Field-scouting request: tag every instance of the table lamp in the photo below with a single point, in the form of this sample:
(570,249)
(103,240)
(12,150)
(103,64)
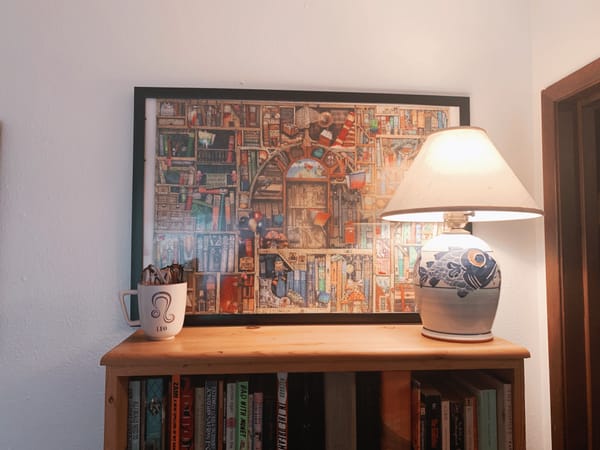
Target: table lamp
(458,176)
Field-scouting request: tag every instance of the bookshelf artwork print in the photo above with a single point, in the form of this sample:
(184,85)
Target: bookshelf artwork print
(271,200)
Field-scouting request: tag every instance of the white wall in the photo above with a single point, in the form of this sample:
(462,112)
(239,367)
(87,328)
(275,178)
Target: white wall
(68,69)
(564,37)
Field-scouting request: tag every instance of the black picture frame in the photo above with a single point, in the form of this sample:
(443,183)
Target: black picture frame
(175,121)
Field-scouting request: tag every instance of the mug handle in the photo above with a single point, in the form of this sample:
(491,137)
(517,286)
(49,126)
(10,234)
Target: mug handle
(122,295)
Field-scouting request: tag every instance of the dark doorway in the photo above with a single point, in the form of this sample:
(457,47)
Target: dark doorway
(571,155)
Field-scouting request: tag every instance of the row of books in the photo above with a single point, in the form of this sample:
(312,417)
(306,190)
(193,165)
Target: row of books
(216,252)
(276,120)
(409,121)
(322,280)
(210,147)
(458,410)
(469,410)
(249,164)
(215,211)
(215,114)
(223,412)
(176,145)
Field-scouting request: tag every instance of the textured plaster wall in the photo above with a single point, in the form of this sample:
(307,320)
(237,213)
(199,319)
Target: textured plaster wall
(68,69)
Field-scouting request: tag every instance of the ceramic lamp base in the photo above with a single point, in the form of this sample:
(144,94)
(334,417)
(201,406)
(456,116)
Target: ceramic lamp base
(457,288)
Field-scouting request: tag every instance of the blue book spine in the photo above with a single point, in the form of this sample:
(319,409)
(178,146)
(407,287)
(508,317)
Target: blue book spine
(154,412)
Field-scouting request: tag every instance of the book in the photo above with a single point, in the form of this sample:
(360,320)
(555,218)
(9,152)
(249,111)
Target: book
(485,397)
(455,422)
(471,427)
(282,411)
(445,426)
(395,407)
(143,412)
(453,433)
(154,411)
(230,415)
(221,414)
(174,410)
(257,420)
(241,440)
(250,430)
(430,414)
(211,410)
(459,421)
(199,417)
(503,407)
(186,414)
(432,400)
(134,397)
(417,414)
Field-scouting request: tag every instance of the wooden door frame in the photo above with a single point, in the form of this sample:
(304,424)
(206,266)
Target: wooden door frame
(566,265)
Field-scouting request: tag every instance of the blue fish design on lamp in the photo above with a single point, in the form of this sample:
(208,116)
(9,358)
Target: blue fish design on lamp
(464,269)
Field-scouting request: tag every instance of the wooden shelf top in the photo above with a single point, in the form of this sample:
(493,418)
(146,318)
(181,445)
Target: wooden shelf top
(255,349)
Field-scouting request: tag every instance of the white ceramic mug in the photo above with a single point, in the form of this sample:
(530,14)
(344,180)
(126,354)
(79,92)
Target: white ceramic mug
(161,309)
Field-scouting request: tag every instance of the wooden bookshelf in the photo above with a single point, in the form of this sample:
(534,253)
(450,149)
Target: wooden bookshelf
(301,348)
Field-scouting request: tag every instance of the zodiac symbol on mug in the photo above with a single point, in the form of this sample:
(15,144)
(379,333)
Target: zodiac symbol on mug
(160,300)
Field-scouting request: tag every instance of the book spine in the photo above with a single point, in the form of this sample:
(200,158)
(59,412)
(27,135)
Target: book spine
(211,415)
(231,254)
(508,417)
(445,424)
(221,388)
(186,414)
(199,417)
(415,413)
(257,419)
(457,429)
(492,420)
(250,430)
(502,419)
(230,394)
(174,405)
(154,411)
(471,440)
(224,250)
(242,415)
(282,411)
(133,414)
(433,419)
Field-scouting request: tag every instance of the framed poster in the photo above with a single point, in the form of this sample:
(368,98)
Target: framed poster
(271,200)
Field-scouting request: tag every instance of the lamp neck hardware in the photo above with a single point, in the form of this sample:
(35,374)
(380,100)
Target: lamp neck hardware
(455,222)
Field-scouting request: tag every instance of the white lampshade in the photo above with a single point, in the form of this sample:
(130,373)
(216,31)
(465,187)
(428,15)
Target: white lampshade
(459,169)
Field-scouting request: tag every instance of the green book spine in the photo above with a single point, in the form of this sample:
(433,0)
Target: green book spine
(242,415)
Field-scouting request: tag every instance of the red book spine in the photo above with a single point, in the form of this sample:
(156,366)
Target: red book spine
(186,414)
